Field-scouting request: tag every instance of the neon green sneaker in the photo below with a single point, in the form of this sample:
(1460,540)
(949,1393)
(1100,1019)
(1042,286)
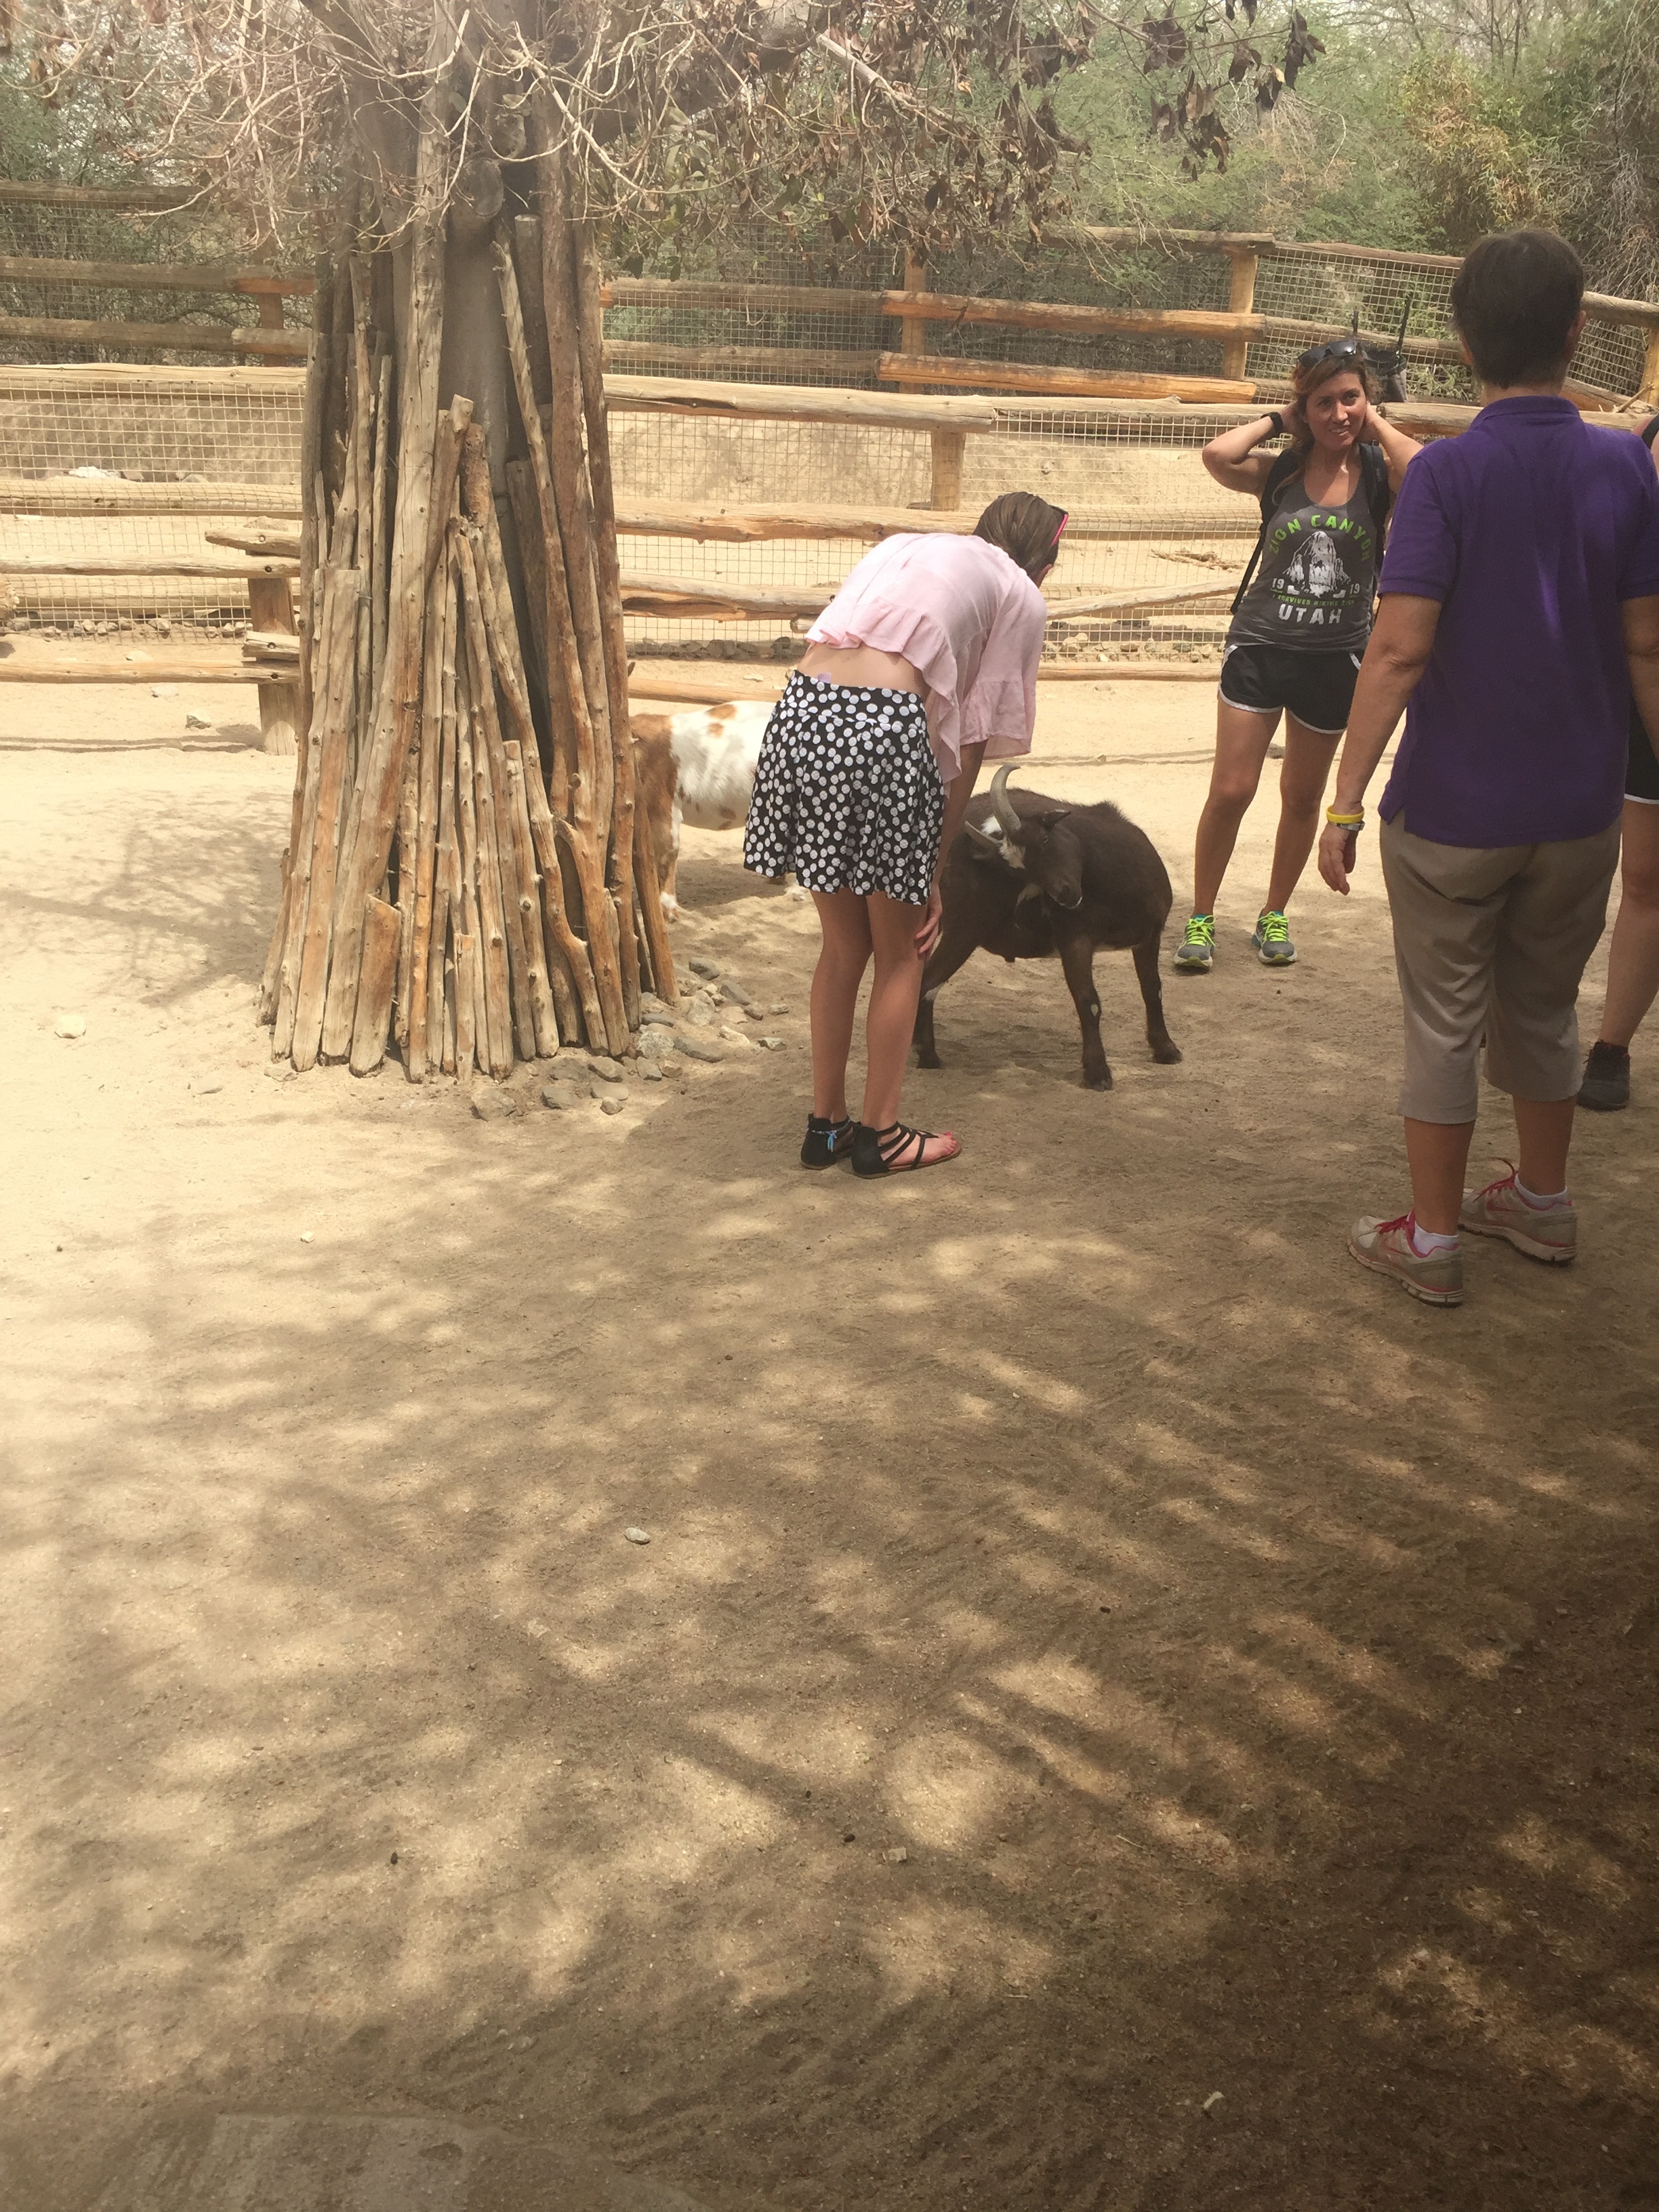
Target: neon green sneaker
(1196,954)
(1272,939)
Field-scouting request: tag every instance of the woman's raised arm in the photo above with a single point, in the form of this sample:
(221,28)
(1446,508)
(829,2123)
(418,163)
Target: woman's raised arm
(1232,459)
(1397,447)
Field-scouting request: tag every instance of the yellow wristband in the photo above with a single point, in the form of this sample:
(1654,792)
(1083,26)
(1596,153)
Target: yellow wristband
(1344,820)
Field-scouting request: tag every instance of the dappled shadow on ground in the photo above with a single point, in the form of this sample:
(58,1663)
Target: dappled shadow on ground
(146,895)
(1255,1668)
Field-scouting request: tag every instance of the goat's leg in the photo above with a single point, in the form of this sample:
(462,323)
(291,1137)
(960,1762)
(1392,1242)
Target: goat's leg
(1165,1050)
(668,862)
(1076,957)
(955,946)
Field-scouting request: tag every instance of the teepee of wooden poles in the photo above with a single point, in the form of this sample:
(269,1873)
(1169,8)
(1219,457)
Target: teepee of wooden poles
(466,877)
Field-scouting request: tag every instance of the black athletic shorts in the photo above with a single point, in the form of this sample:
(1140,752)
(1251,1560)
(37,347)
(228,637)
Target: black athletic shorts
(1642,778)
(1317,688)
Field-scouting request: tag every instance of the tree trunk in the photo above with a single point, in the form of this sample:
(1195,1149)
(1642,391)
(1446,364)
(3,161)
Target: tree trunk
(465,785)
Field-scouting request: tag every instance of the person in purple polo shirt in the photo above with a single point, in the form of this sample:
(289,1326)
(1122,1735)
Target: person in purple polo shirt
(1520,613)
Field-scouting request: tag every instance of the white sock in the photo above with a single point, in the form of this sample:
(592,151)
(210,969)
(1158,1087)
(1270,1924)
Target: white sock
(1425,1243)
(1541,1200)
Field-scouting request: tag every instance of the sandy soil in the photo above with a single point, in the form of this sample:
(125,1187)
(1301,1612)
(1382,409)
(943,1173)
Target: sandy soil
(1255,1668)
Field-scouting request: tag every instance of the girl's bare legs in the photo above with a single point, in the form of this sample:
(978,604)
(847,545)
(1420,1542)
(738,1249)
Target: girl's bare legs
(1242,740)
(1302,781)
(1633,955)
(845,921)
(891,1020)
(853,928)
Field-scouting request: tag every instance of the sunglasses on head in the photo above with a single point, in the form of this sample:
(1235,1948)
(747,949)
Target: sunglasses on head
(1338,350)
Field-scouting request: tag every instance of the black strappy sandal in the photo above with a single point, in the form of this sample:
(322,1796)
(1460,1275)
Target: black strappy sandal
(884,1151)
(827,1141)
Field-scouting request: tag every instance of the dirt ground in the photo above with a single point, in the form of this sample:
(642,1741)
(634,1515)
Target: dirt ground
(1120,1708)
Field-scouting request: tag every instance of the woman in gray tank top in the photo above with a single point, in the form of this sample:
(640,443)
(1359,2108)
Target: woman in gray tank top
(1299,626)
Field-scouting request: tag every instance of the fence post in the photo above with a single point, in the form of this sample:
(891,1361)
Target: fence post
(1648,391)
(949,448)
(1241,300)
(914,337)
(270,606)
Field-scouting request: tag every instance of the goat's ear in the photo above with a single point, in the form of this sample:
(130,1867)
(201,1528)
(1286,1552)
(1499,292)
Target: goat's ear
(1049,817)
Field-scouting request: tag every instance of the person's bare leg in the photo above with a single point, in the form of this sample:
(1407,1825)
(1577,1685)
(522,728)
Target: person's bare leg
(890,1019)
(1633,955)
(1544,1127)
(1437,1153)
(1242,740)
(845,954)
(1302,781)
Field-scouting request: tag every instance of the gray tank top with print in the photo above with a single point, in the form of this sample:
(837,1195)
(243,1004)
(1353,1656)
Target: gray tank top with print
(1315,588)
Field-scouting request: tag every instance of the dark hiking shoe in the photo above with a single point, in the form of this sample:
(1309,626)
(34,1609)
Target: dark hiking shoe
(1606,1086)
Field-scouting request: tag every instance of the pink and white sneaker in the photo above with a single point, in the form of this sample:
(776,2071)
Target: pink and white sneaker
(1386,1248)
(1542,1232)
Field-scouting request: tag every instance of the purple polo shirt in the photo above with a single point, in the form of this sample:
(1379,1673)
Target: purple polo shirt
(1529,530)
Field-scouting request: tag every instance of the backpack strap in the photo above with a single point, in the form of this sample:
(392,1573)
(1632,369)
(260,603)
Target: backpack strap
(1379,492)
(1650,431)
(1284,467)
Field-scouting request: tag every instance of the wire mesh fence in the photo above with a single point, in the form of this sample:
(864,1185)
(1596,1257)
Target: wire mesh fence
(77,438)
(1320,291)
(1146,519)
(133,604)
(1151,534)
(180,237)
(1147,523)
(840,343)
(1317,290)
(218,426)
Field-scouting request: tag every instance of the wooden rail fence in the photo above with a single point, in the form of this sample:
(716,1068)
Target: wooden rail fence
(915,308)
(271,551)
(1003,393)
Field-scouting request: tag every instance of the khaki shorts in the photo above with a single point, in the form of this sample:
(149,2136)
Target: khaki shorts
(1493,942)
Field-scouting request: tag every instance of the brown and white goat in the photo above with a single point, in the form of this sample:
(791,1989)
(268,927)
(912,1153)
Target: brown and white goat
(696,766)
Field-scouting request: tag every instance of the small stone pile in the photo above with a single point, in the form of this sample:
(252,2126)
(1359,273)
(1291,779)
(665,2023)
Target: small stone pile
(715,1019)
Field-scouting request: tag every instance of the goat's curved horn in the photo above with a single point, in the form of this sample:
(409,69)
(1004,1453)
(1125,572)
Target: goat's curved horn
(1011,824)
(984,837)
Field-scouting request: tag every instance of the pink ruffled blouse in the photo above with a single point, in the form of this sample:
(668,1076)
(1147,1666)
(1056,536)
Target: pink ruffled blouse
(968,619)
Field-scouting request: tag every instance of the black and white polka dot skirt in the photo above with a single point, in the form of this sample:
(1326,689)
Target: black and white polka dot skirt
(847,793)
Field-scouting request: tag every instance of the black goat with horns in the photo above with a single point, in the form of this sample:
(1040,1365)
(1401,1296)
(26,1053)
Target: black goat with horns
(1030,877)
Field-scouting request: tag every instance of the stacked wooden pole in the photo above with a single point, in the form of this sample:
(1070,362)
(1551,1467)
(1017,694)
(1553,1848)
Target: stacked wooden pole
(468,879)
